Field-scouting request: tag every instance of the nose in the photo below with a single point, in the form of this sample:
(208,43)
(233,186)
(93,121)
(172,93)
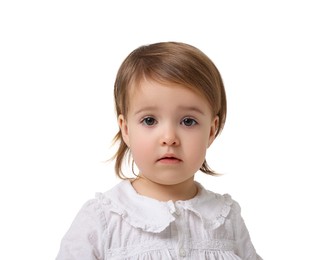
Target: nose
(169,137)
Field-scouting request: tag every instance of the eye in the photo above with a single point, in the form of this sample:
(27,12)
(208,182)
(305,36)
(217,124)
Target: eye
(149,121)
(188,121)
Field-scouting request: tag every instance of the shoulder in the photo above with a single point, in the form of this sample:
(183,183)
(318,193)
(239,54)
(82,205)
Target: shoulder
(90,216)
(94,211)
(84,236)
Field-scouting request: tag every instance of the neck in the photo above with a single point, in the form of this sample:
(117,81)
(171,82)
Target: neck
(164,192)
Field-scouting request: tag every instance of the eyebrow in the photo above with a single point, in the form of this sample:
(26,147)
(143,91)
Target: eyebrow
(144,109)
(191,108)
(183,108)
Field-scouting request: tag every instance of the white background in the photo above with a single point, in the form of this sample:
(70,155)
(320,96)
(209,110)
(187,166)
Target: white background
(58,61)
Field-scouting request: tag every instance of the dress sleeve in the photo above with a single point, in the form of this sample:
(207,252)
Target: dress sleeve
(245,248)
(83,241)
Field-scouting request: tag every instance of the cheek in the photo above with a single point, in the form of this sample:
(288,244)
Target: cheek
(198,144)
(200,147)
(199,139)
(140,145)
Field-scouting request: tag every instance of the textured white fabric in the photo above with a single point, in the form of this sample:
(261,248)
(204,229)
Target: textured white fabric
(121,224)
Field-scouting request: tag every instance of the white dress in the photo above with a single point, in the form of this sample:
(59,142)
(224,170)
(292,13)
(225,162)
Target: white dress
(121,224)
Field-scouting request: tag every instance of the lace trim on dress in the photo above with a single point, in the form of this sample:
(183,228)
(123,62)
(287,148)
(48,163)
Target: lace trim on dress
(142,249)
(222,215)
(132,251)
(213,210)
(137,210)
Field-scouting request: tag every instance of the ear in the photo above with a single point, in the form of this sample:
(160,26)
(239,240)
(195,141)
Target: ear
(213,130)
(124,129)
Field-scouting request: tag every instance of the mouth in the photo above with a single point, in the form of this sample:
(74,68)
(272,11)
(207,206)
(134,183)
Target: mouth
(169,159)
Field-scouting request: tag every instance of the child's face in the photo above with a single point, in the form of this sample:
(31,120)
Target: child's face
(168,130)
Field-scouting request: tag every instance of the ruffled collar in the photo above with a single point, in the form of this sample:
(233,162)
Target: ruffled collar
(152,215)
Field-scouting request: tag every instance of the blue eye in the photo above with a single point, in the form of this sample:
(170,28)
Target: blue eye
(189,121)
(149,121)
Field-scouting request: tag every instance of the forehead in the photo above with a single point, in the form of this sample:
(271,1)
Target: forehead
(152,88)
(165,95)
(149,86)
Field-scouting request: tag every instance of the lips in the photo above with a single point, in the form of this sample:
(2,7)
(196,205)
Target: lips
(169,159)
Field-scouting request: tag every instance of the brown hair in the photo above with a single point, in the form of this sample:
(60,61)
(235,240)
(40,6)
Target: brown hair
(169,62)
